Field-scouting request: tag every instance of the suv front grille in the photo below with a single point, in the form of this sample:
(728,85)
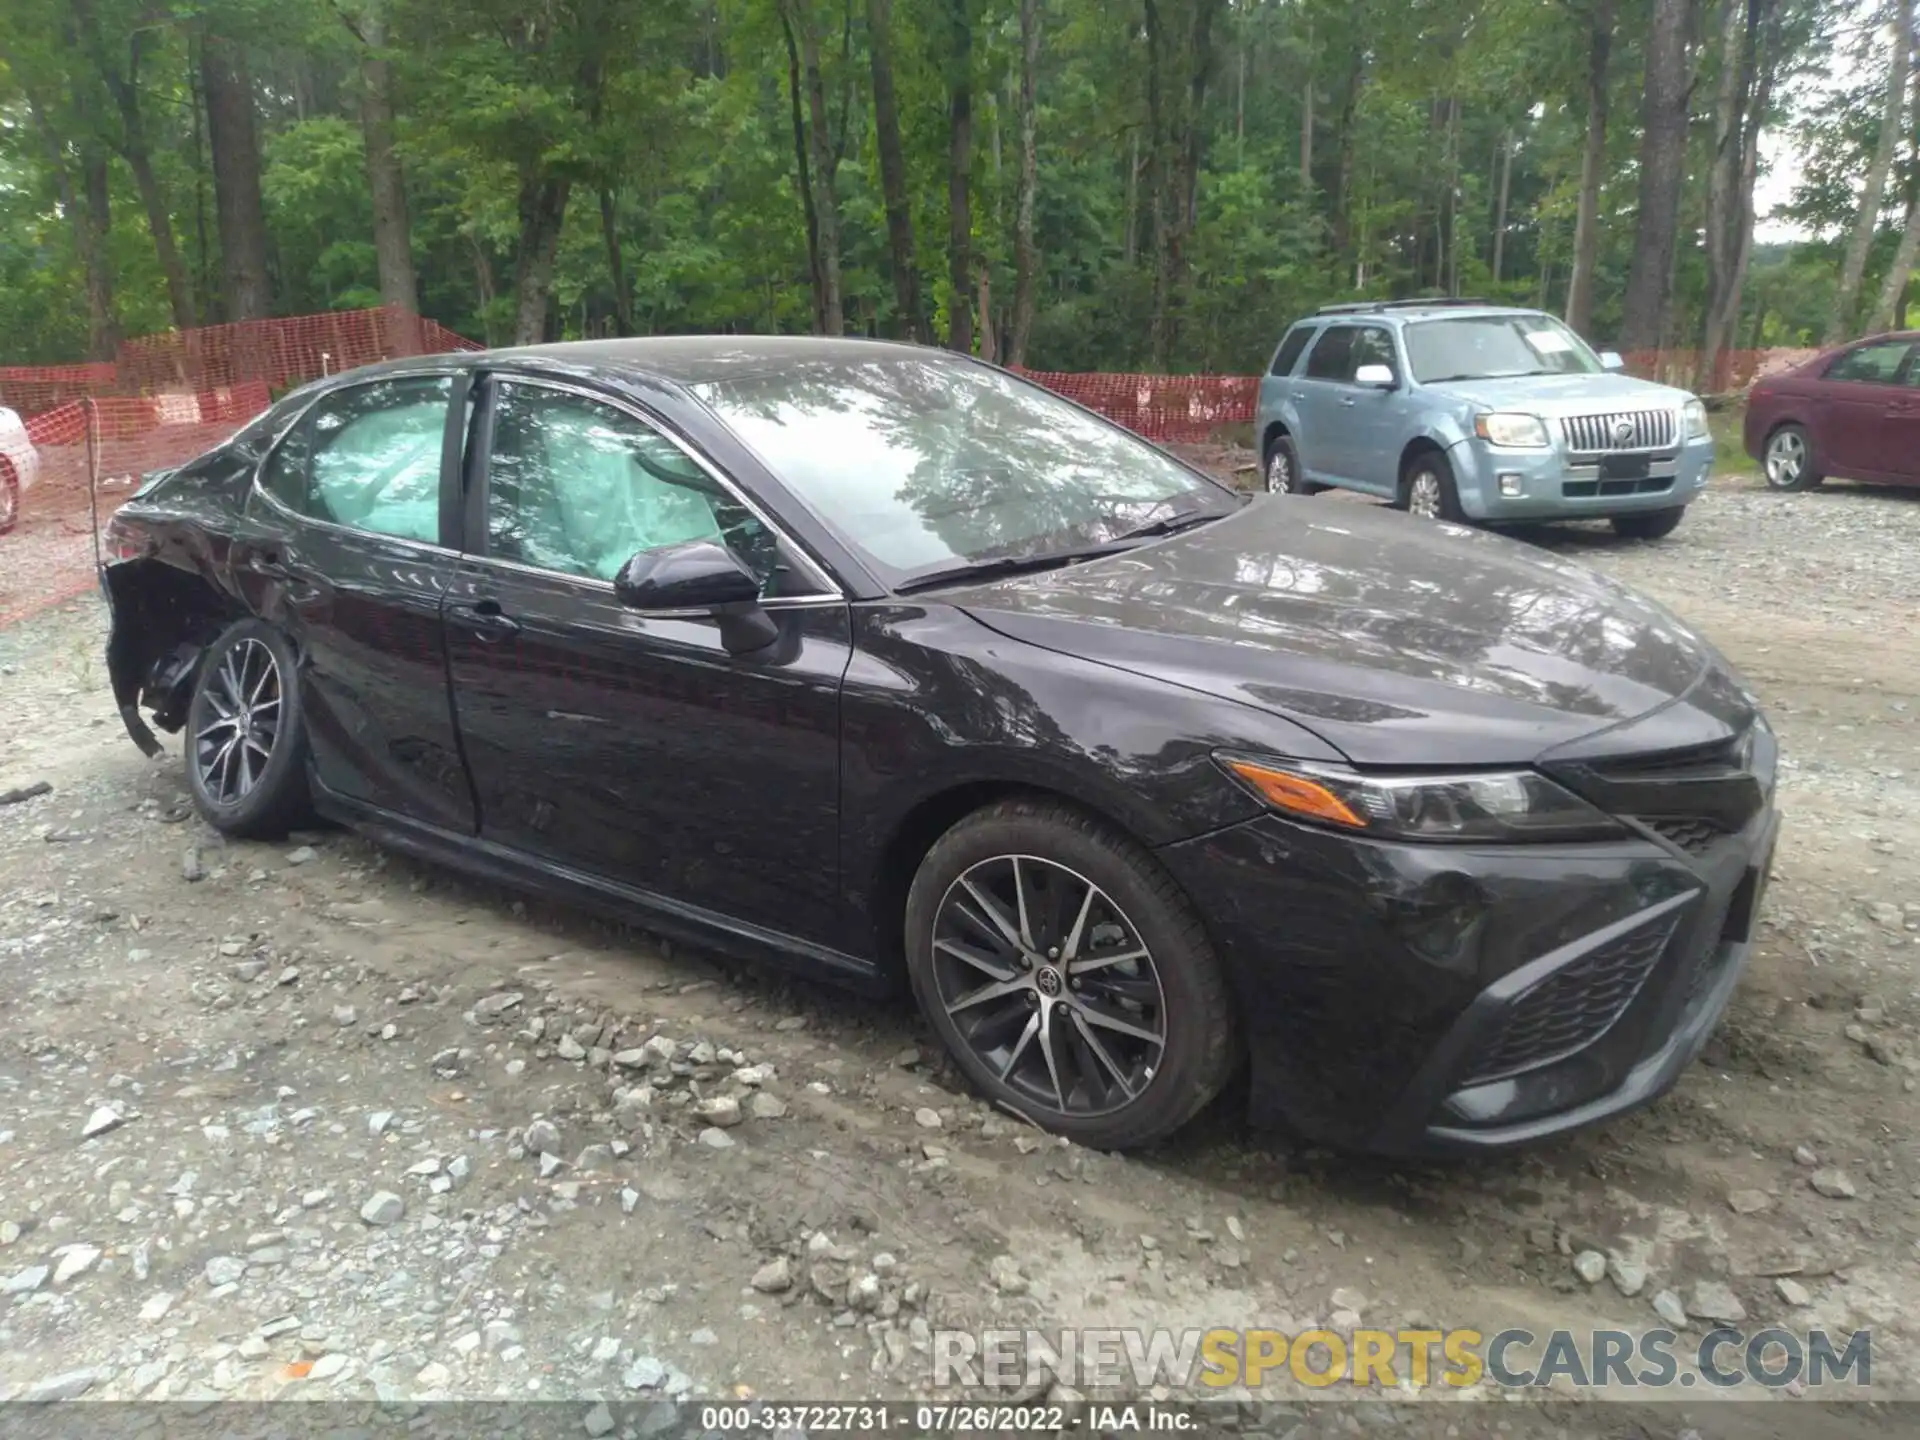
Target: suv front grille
(1623,430)
(1572,1007)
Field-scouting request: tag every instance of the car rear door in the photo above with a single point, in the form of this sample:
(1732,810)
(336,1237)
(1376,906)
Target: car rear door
(635,748)
(1901,425)
(349,544)
(1319,391)
(1856,419)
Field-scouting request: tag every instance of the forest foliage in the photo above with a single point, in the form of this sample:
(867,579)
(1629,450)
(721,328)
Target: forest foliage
(1068,184)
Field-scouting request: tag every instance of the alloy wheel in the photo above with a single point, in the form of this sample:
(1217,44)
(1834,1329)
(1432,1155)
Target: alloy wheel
(231,751)
(1786,458)
(1049,984)
(1279,473)
(1423,495)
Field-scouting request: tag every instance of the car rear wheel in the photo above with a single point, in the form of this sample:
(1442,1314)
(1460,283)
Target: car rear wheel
(1280,473)
(1649,525)
(9,496)
(1789,462)
(1427,489)
(246,736)
(1068,975)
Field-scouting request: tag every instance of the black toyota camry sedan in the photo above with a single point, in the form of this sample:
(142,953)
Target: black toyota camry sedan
(899,669)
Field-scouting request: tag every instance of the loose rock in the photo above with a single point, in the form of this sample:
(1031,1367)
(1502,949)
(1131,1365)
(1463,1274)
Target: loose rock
(383,1207)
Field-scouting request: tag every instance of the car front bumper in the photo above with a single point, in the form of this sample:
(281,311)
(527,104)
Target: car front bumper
(1431,1000)
(1554,485)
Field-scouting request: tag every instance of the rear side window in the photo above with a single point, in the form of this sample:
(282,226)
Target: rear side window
(1289,353)
(1870,364)
(368,458)
(1332,357)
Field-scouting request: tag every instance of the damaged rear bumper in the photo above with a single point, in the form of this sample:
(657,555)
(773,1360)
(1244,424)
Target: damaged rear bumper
(153,647)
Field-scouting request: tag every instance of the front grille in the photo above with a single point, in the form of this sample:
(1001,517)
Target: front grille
(1587,489)
(1623,430)
(1717,757)
(1572,1007)
(1692,834)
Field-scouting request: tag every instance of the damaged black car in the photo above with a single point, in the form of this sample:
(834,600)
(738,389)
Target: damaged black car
(891,666)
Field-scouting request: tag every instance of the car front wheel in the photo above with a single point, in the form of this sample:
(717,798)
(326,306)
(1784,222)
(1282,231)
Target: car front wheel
(1281,472)
(1068,975)
(1789,461)
(1650,525)
(1428,491)
(246,735)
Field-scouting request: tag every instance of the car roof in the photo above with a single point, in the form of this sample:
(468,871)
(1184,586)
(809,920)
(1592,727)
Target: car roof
(704,359)
(1441,309)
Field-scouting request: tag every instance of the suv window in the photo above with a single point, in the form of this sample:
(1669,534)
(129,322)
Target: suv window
(368,458)
(1289,353)
(1373,346)
(581,487)
(1871,364)
(1332,357)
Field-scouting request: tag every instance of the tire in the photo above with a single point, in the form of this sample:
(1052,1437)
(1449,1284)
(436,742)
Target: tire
(9,496)
(1280,470)
(1788,462)
(1427,489)
(1126,1090)
(1649,524)
(248,774)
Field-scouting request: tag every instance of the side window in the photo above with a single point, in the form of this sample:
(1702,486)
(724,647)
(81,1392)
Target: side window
(1372,346)
(1332,357)
(581,488)
(1870,364)
(1289,353)
(368,458)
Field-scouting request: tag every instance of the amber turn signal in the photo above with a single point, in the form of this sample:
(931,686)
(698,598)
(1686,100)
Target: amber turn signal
(1296,793)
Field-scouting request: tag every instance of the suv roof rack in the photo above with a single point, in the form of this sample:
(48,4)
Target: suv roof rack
(1374,307)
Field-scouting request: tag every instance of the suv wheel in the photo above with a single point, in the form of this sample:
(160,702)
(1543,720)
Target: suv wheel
(1068,975)
(1427,489)
(1281,473)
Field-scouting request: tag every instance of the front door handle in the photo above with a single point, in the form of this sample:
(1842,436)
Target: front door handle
(486,619)
(1348,401)
(267,563)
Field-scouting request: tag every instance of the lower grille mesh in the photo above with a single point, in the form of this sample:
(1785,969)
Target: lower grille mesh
(1572,1007)
(1693,835)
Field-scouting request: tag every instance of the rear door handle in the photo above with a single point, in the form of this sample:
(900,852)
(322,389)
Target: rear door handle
(486,619)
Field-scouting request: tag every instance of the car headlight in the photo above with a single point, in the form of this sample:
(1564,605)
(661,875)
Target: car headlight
(1497,806)
(1694,420)
(1511,431)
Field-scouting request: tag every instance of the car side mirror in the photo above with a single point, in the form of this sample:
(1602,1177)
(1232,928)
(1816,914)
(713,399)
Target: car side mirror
(699,575)
(1375,377)
(1612,360)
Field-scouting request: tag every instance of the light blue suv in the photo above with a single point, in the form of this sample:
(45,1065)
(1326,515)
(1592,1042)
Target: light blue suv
(1460,410)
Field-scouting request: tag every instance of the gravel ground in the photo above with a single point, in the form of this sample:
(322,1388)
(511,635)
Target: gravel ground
(310,1120)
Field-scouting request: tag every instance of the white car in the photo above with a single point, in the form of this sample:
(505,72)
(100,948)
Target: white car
(19,466)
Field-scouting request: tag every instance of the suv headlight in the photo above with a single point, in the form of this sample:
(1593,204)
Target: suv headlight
(1497,806)
(1694,420)
(1511,431)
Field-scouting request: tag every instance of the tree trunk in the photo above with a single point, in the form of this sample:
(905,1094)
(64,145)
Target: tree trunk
(1593,163)
(125,90)
(616,266)
(543,208)
(1663,154)
(239,211)
(826,204)
(1748,43)
(1500,207)
(1026,260)
(89,213)
(1890,307)
(1306,121)
(803,169)
(1342,233)
(1130,238)
(1867,221)
(908,319)
(960,175)
(392,226)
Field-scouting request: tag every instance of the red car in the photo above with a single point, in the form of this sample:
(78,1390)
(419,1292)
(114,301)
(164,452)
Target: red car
(1852,412)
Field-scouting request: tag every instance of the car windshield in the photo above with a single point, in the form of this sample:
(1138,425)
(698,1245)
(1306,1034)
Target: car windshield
(923,465)
(1496,347)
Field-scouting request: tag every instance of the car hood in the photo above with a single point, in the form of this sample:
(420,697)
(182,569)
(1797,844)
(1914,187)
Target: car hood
(1399,641)
(1557,395)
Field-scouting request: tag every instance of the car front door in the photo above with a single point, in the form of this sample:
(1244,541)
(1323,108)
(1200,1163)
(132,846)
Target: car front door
(349,543)
(634,747)
(1857,425)
(1374,421)
(1900,426)
(1320,390)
